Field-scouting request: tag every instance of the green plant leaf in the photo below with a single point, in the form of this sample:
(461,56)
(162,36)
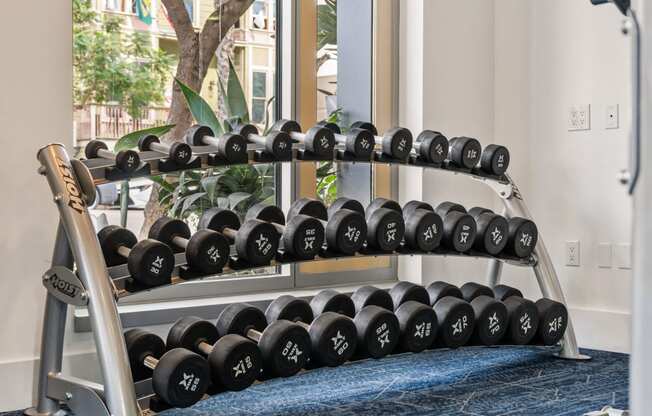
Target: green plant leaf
(130,141)
(190,200)
(270,200)
(209,184)
(163,183)
(326,24)
(267,117)
(324,170)
(238,198)
(335,116)
(200,109)
(235,96)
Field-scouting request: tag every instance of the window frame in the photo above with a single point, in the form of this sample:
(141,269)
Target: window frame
(294,76)
(382,110)
(266,77)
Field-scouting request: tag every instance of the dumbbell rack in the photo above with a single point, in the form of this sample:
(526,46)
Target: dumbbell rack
(97,287)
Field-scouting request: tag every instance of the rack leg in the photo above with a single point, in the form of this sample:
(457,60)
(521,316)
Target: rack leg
(546,276)
(494,271)
(54,325)
(119,393)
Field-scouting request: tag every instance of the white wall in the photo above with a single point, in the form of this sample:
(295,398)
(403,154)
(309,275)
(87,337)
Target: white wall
(507,71)
(35,109)
(578,56)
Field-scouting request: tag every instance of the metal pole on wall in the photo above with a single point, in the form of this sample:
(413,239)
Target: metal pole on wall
(641,363)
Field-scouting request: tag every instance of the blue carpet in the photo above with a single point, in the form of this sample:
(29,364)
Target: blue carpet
(471,381)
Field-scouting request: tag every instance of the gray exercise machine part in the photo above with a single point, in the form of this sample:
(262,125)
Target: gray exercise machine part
(76,240)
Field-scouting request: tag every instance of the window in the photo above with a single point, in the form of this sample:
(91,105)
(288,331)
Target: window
(190,8)
(121,104)
(344,77)
(124,6)
(258,97)
(257,61)
(259,15)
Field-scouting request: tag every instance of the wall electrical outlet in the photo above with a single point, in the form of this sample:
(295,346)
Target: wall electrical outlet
(612,117)
(579,117)
(573,253)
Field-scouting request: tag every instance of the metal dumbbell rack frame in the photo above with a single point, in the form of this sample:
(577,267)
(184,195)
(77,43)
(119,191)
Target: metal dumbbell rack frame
(98,288)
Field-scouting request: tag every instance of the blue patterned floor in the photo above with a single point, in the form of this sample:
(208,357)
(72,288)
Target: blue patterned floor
(470,382)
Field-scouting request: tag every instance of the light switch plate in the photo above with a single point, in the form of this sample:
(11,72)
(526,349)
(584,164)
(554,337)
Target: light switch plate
(605,255)
(623,256)
(573,253)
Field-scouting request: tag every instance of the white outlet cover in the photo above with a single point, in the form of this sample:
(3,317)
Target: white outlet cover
(579,117)
(605,254)
(573,253)
(612,117)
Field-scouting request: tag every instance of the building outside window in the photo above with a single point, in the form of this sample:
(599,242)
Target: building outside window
(258,96)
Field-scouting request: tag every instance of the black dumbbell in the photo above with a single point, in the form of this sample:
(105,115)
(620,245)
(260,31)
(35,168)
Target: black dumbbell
(491,315)
(150,262)
(553,321)
(495,160)
(329,300)
(333,336)
(377,328)
(319,141)
(522,315)
(358,142)
(492,231)
(345,230)
(206,251)
(235,362)
(459,227)
(276,143)
(256,242)
(522,237)
(231,147)
(431,146)
(417,321)
(456,317)
(345,203)
(125,160)
(423,227)
(302,238)
(179,377)
(396,143)
(465,152)
(385,224)
(179,153)
(284,345)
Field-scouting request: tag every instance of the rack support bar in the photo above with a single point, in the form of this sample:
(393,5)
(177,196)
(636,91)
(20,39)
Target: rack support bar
(105,321)
(544,271)
(54,325)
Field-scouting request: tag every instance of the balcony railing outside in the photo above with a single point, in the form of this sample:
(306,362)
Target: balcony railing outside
(108,121)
